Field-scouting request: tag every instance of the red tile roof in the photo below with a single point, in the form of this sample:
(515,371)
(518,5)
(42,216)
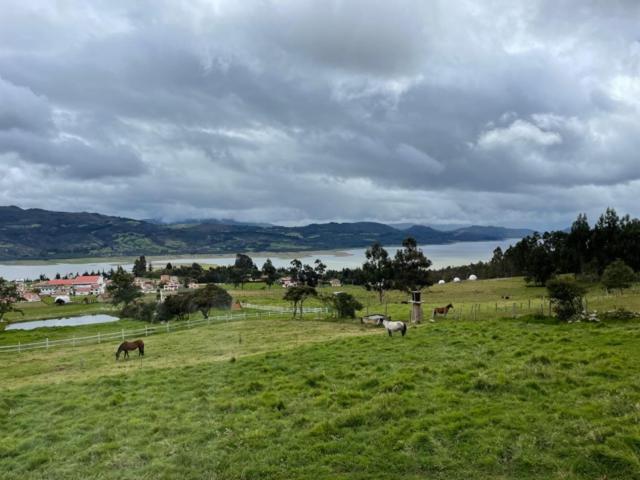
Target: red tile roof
(79,280)
(87,279)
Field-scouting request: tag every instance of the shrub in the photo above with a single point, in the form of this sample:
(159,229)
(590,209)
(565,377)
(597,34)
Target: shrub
(618,275)
(346,305)
(566,297)
(140,310)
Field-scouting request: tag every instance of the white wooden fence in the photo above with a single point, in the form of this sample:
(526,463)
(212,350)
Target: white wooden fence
(121,335)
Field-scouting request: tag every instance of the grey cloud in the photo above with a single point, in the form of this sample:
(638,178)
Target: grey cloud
(296,111)
(21,109)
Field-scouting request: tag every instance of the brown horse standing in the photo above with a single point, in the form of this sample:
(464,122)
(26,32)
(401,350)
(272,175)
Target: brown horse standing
(441,311)
(126,347)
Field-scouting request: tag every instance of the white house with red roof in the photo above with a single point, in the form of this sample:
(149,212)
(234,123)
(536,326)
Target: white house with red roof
(80,285)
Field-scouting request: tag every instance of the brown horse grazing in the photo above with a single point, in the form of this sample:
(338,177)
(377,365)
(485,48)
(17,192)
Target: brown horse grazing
(126,347)
(441,311)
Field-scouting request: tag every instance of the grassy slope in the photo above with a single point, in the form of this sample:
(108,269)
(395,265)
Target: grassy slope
(499,398)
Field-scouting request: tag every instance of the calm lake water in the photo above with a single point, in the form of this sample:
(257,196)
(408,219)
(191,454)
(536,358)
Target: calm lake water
(441,255)
(62,322)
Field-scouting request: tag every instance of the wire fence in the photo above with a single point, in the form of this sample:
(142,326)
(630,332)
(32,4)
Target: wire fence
(482,311)
(146,331)
(281,309)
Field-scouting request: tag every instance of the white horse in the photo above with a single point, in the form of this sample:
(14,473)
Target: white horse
(394,327)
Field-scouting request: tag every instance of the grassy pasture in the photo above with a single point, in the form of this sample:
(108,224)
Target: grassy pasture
(276,398)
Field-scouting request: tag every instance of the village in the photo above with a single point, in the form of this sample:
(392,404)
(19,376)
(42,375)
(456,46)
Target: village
(91,288)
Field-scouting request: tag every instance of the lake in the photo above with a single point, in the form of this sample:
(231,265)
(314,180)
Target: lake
(62,322)
(441,255)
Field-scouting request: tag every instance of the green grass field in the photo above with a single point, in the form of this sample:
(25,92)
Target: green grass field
(492,398)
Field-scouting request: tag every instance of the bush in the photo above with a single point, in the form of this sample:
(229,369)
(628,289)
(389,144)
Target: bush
(618,275)
(140,310)
(346,305)
(203,300)
(566,297)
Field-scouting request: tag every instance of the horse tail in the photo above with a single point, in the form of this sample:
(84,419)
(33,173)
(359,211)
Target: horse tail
(404,329)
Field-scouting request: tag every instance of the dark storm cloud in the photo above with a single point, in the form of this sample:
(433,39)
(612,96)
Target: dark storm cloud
(299,111)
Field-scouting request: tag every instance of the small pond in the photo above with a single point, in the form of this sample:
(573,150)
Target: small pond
(63,322)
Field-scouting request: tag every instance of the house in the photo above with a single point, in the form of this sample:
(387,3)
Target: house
(80,285)
(30,297)
(168,279)
(46,289)
(145,285)
(287,282)
(334,282)
(171,287)
(89,285)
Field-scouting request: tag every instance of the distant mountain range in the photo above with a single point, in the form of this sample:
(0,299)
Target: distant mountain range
(42,234)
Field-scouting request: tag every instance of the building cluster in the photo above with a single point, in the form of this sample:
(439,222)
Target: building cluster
(96,285)
(288,282)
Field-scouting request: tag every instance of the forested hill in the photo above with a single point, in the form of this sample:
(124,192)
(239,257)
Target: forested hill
(42,234)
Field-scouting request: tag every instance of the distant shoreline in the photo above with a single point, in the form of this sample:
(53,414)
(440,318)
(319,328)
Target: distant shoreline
(185,256)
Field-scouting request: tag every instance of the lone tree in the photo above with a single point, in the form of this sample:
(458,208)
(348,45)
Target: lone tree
(242,269)
(618,275)
(209,297)
(306,274)
(179,305)
(540,266)
(140,266)
(122,289)
(566,297)
(8,297)
(270,273)
(344,304)
(297,296)
(320,269)
(295,271)
(411,267)
(378,270)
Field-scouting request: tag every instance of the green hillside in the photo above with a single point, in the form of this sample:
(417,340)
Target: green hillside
(500,397)
(42,234)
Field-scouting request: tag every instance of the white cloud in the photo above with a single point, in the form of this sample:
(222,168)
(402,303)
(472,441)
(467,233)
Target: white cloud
(518,133)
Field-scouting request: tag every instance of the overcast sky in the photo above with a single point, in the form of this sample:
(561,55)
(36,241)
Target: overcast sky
(493,112)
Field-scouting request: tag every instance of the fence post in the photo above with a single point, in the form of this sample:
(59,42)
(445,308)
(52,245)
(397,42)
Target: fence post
(98,337)
(513,310)
(47,342)
(73,341)
(19,347)
(146,332)
(122,333)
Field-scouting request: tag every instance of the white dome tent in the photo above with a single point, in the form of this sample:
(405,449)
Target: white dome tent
(441,282)
(473,277)
(456,280)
